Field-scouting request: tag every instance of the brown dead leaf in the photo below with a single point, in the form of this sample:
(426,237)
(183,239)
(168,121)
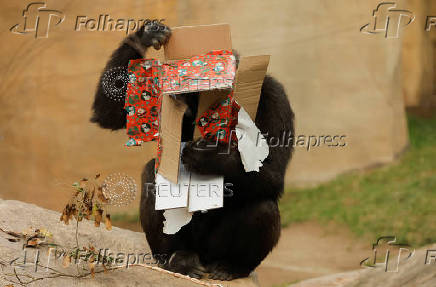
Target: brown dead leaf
(66,219)
(98,216)
(100,195)
(33,242)
(108,222)
(67,213)
(91,266)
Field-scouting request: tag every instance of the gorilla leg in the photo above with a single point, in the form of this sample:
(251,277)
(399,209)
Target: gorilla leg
(173,250)
(233,242)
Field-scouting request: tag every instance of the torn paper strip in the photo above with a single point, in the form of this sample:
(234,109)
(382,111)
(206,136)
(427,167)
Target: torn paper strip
(251,143)
(175,219)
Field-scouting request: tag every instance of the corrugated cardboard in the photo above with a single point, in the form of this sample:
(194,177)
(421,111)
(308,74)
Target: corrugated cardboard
(170,194)
(152,53)
(186,42)
(248,82)
(171,117)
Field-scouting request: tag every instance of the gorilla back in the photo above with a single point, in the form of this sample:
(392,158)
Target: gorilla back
(228,242)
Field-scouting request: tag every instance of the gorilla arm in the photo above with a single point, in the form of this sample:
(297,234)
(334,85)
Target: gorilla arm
(108,112)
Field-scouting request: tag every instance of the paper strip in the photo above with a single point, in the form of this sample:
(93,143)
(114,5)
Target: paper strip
(251,143)
(175,219)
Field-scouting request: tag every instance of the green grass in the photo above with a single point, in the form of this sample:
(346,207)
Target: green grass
(127,220)
(125,217)
(399,199)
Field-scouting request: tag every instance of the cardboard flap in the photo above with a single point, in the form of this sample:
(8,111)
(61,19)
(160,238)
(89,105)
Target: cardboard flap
(185,42)
(170,136)
(188,41)
(152,53)
(248,82)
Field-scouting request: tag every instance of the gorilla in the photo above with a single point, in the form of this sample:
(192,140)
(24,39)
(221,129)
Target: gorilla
(224,243)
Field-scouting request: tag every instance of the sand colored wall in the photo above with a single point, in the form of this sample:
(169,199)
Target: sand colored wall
(418,72)
(339,81)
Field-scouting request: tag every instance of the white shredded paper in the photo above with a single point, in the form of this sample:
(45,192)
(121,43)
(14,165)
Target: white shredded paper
(175,219)
(253,148)
(251,143)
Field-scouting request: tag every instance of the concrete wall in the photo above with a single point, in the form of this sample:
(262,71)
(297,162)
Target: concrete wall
(419,57)
(339,81)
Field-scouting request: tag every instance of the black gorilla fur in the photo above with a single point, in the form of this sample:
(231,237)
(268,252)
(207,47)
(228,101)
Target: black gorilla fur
(228,242)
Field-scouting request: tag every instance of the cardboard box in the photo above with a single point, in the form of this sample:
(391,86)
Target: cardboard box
(186,42)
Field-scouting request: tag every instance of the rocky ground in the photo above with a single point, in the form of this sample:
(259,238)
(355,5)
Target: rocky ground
(20,217)
(296,258)
(411,272)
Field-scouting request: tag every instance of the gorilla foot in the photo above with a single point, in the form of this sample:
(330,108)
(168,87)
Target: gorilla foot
(222,271)
(187,263)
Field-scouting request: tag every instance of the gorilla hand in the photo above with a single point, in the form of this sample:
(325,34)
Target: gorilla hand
(206,157)
(153,33)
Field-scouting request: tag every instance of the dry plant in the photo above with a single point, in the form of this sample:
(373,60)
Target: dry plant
(89,200)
